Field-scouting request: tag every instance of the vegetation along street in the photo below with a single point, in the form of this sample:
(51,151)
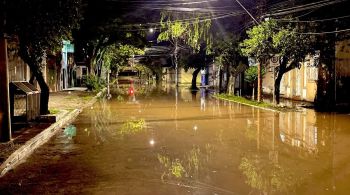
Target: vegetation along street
(174,97)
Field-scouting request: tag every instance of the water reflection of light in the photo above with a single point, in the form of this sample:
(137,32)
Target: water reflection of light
(152,142)
(195,127)
(92,107)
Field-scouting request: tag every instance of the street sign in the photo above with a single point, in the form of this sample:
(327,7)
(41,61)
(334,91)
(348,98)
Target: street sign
(274,61)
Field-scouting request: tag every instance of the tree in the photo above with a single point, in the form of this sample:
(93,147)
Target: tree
(104,24)
(197,61)
(117,56)
(183,33)
(270,38)
(41,26)
(227,55)
(251,76)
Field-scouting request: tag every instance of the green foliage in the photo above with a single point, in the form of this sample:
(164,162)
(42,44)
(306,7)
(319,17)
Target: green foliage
(117,55)
(266,176)
(187,167)
(226,50)
(131,127)
(179,30)
(177,169)
(227,54)
(39,27)
(258,44)
(245,101)
(54,111)
(251,74)
(270,38)
(94,83)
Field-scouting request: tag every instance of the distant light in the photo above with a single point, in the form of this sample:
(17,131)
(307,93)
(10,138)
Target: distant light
(151,30)
(152,142)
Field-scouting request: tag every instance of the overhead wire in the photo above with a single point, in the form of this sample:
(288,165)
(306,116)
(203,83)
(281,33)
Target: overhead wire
(303,8)
(316,20)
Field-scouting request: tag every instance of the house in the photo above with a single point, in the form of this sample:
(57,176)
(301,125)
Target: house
(299,83)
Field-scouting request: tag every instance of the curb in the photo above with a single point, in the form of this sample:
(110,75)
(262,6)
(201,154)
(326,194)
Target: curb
(268,109)
(28,148)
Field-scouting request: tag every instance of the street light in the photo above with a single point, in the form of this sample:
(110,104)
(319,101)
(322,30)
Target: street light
(151,30)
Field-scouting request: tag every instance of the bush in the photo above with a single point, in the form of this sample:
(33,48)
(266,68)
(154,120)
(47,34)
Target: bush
(94,83)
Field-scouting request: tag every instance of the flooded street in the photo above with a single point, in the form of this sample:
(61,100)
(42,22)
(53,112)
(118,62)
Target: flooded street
(192,144)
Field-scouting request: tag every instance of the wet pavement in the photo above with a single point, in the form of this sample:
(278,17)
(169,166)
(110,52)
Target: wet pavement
(192,144)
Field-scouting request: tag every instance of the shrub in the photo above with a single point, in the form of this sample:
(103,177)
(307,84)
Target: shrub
(94,83)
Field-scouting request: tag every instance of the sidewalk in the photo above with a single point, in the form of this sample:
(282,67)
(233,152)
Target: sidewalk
(64,106)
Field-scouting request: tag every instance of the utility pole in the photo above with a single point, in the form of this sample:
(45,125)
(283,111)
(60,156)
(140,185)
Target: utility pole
(259,82)
(5,117)
(176,65)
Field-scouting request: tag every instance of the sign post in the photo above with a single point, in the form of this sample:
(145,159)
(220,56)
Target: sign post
(274,62)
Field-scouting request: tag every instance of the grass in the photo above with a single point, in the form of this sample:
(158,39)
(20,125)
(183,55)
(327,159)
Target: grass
(54,111)
(245,101)
(87,98)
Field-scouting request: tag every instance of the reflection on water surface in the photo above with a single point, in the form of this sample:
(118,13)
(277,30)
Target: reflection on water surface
(178,142)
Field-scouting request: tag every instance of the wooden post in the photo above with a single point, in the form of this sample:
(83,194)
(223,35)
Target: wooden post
(5,117)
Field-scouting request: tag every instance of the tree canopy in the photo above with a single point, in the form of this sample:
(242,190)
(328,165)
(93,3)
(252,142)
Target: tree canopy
(40,27)
(271,38)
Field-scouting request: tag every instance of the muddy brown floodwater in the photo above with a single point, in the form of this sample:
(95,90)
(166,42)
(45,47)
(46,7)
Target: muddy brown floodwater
(193,145)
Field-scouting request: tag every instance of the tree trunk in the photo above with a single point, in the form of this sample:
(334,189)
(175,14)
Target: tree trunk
(259,83)
(220,81)
(31,80)
(5,115)
(253,94)
(159,77)
(194,78)
(277,86)
(231,85)
(228,75)
(45,91)
(32,61)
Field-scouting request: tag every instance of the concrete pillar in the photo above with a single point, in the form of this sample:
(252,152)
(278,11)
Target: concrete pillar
(5,117)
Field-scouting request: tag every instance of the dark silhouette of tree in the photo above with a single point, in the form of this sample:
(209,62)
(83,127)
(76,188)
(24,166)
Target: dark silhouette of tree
(40,26)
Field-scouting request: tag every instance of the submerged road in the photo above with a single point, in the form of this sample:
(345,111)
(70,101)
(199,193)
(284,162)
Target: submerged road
(194,144)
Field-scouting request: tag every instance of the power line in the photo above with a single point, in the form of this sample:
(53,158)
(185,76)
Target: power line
(247,11)
(202,19)
(309,21)
(303,7)
(321,33)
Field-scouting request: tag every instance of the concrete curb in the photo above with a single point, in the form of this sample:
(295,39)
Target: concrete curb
(268,109)
(28,148)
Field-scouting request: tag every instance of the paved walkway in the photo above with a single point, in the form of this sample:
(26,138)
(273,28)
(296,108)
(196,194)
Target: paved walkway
(61,105)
